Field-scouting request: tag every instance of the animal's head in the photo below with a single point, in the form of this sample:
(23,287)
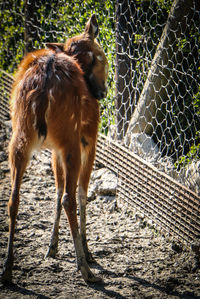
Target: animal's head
(90,56)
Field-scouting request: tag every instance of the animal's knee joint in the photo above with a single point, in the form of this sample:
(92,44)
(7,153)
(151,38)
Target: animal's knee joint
(65,200)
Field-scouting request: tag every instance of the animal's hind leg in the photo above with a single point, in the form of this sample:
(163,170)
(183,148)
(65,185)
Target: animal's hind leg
(86,168)
(18,160)
(58,174)
(71,172)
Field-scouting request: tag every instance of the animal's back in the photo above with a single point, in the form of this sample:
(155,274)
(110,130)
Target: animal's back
(47,96)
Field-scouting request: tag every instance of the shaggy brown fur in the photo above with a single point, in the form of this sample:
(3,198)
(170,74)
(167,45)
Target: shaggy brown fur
(54,105)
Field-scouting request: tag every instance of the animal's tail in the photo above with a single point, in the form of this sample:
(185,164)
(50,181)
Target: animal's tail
(39,107)
(41,99)
(30,95)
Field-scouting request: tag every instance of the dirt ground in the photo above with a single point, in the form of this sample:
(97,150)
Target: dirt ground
(134,260)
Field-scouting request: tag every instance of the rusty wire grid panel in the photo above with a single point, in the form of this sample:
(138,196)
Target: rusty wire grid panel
(172,206)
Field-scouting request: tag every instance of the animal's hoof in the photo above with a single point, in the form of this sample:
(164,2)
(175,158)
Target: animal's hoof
(94,279)
(6,277)
(87,274)
(51,252)
(89,258)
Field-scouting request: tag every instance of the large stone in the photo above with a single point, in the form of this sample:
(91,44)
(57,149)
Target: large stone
(103,182)
(143,145)
(108,183)
(192,176)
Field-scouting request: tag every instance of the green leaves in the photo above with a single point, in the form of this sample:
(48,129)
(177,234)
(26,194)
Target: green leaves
(196,101)
(55,21)
(58,20)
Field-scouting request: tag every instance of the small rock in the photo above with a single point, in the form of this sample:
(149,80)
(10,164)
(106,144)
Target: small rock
(3,137)
(196,248)
(3,156)
(108,184)
(8,126)
(177,247)
(92,191)
(97,174)
(192,176)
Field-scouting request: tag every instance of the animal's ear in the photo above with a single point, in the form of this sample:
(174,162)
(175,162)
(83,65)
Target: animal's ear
(91,28)
(57,47)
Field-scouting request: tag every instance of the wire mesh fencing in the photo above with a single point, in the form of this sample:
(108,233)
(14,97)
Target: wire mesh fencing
(173,207)
(153,105)
(158,107)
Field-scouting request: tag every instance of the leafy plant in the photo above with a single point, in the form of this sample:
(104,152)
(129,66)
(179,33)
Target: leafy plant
(56,21)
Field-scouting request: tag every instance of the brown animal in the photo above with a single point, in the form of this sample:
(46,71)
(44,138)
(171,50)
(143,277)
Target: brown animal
(54,105)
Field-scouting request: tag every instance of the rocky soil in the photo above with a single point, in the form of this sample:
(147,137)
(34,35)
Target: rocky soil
(133,258)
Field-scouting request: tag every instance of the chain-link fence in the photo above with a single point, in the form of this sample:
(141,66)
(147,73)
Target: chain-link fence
(157,77)
(153,104)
